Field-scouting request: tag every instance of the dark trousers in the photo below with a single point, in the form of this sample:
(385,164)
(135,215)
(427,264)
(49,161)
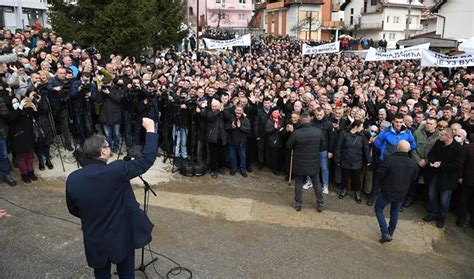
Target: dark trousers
(466,201)
(354,176)
(415,188)
(274,158)
(216,156)
(83,125)
(4,164)
(261,151)
(62,117)
(318,191)
(439,200)
(380,204)
(125,268)
(42,152)
(132,133)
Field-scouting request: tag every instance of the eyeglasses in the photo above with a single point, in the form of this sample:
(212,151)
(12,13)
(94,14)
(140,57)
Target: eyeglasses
(105,145)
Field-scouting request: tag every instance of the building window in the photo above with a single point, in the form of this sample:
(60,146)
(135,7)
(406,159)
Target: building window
(351,20)
(388,18)
(241,16)
(218,1)
(374,2)
(222,16)
(391,36)
(242,1)
(352,11)
(191,11)
(396,19)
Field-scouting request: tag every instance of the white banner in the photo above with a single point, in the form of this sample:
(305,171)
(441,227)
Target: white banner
(326,48)
(245,40)
(413,52)
(433,59)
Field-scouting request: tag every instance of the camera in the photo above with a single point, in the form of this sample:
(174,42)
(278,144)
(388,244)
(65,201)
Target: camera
(91,51)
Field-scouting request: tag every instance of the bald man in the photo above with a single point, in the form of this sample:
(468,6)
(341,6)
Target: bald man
(395,174)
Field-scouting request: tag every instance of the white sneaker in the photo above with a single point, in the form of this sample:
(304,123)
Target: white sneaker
(325,189)
(307,185)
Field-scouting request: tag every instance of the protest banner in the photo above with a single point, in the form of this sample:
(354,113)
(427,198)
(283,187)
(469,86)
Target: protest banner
(326,48)
(413,52)
(433,59)
(245,40)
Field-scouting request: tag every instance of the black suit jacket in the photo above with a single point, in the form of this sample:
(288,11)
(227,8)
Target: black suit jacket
(101,195)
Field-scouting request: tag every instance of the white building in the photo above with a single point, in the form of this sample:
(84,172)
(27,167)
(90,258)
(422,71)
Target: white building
(19,13)
(455,19)
(377,19)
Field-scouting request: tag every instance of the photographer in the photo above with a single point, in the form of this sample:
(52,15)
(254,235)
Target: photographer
(83,94)
(59,93)
(111,113)
(21,136)
(43,132)
(181,123)
(132,109)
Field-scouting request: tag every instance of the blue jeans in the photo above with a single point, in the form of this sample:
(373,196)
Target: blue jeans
(4,166)
(125,268)
(180,136)
(323,165)
(112,133)
(438,201)
(380,204)
(233,150)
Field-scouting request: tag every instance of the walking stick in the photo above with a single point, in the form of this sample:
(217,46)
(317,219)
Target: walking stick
(291,168)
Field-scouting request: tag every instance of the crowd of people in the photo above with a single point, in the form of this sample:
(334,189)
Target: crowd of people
(239,110)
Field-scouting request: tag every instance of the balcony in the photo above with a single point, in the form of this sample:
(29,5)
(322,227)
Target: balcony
(415,27)
(330,24)
(275,5)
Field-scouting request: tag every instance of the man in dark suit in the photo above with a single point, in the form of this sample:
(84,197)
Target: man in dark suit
(395,174)
(100,194)
(307,142)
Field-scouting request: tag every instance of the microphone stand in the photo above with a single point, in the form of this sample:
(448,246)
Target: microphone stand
(147,189)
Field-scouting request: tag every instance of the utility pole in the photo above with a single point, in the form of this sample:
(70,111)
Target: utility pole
(197,29)
(407,27)
(310,23)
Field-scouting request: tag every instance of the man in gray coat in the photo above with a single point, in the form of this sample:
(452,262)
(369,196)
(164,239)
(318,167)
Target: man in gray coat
(306,143)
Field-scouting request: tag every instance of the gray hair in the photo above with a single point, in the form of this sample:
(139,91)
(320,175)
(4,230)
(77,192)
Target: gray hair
(92,147)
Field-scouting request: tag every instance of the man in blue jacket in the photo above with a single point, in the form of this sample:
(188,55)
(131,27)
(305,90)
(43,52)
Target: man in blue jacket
(100,194)
(386,142)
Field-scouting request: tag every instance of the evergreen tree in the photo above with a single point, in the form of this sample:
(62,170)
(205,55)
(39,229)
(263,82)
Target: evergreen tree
(119,26)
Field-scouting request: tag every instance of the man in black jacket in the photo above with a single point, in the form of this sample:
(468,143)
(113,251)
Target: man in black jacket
(100,194)
(395,174)
(307,143)
(238,129)
(259,130)
(446,160)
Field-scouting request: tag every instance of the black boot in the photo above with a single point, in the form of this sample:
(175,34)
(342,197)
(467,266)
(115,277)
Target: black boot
(9,180)
(32,176)
(41,166)
(25,178)
(343,193)
(49,164)
(357,197)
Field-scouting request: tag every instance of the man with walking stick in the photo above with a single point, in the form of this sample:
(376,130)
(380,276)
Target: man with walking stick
(100,194)
(306,143)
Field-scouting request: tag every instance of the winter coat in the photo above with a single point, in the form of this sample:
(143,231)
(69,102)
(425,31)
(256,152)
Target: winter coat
(451,168)
(396,174)
(468,176)
(215,130)
(260,122)
(111,110)
(352,150)
(42,116)
(388,140)
(273,137)
(423,143)
(238,136)
(329,133)
(21,137)
(4,112)
(307,142)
